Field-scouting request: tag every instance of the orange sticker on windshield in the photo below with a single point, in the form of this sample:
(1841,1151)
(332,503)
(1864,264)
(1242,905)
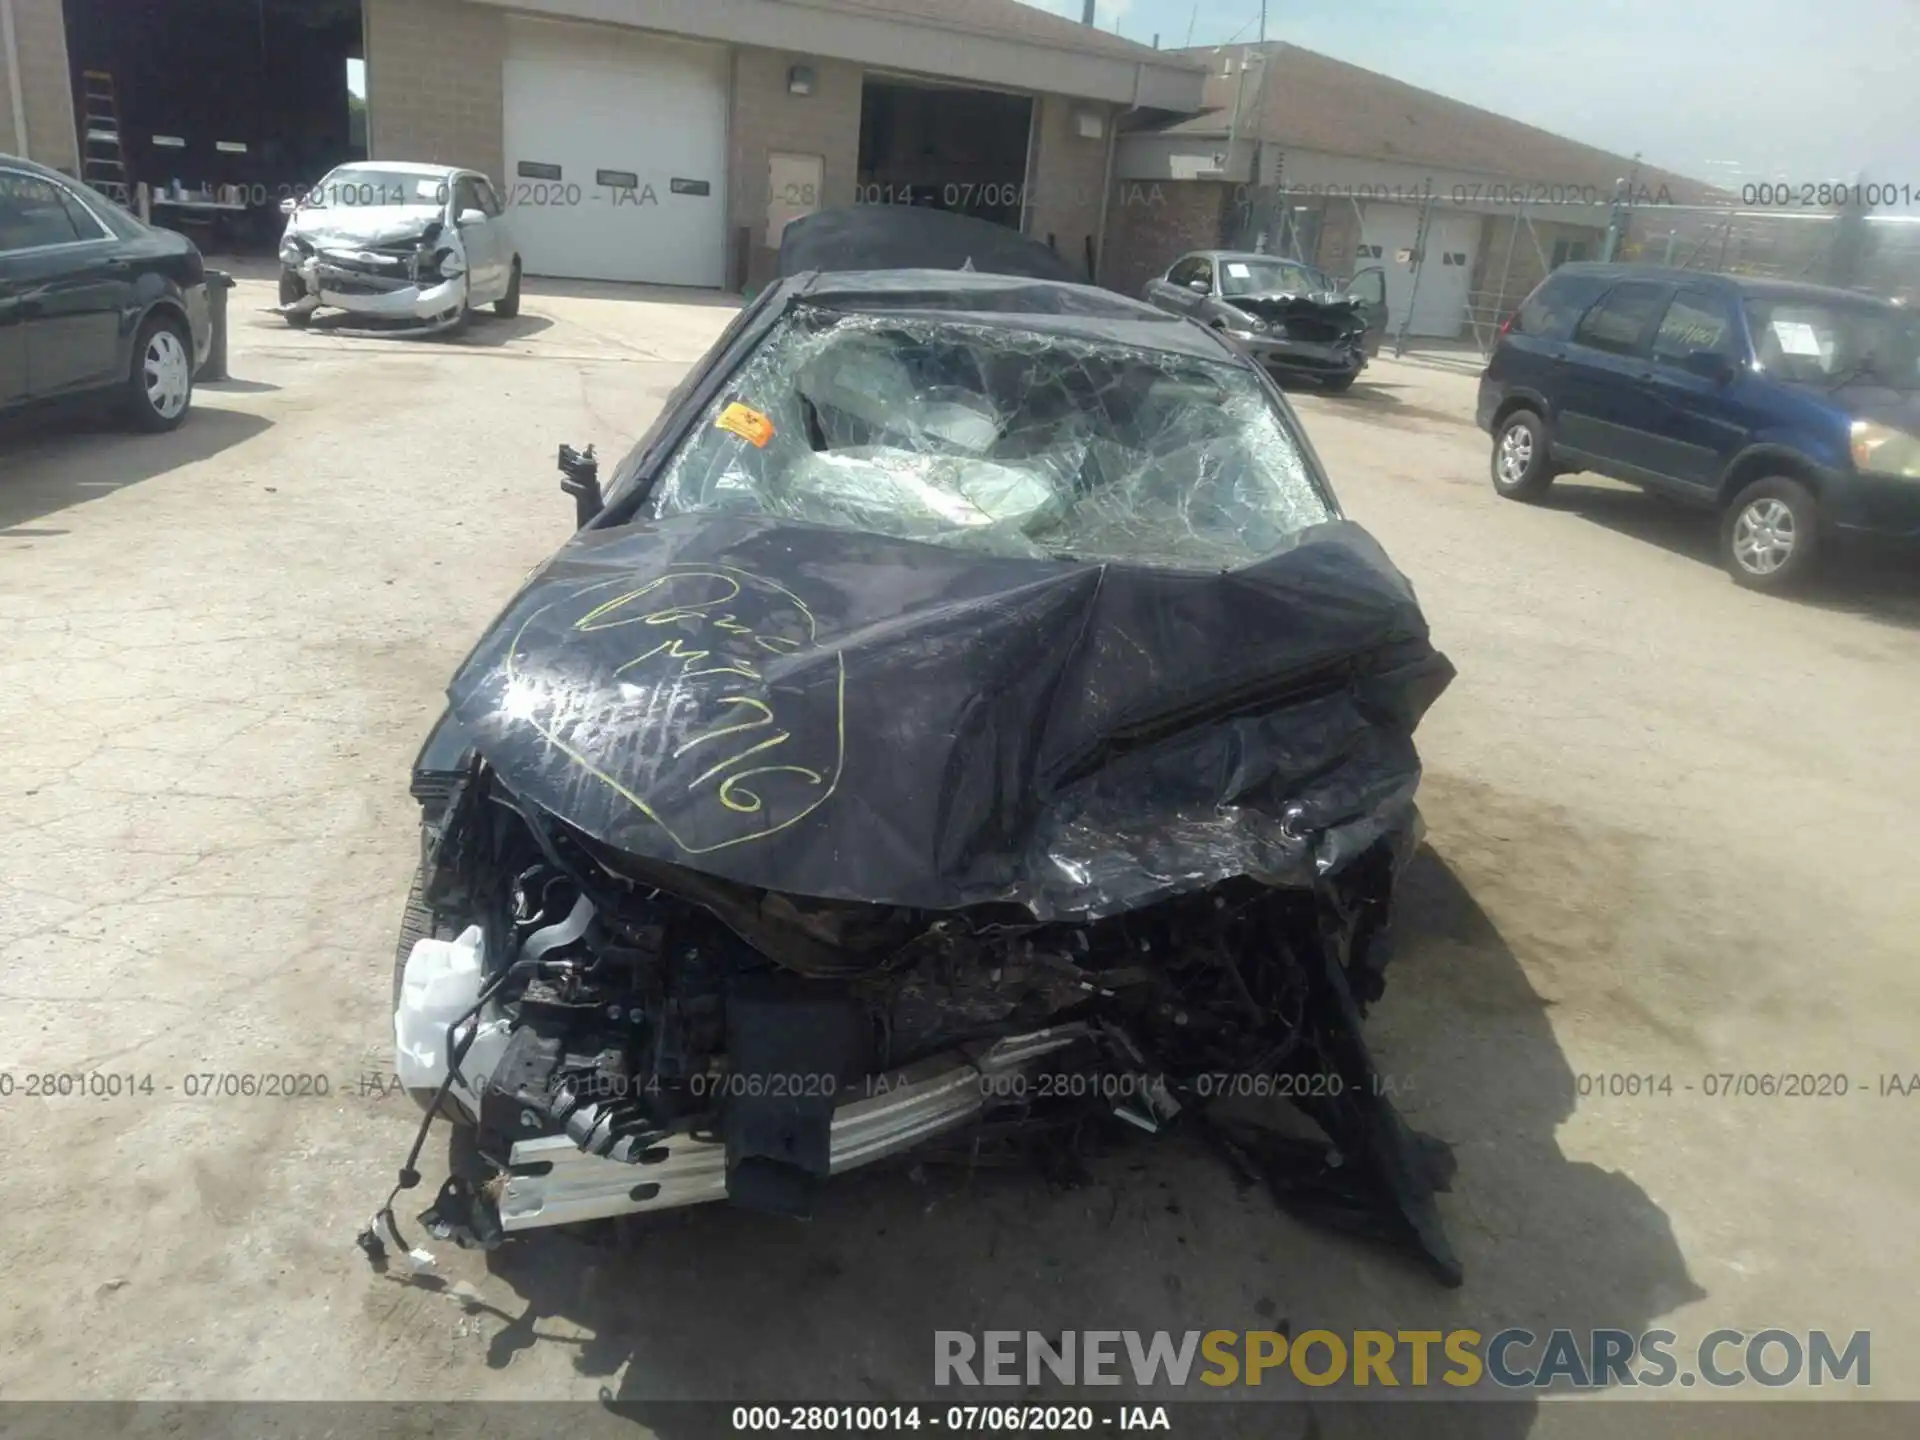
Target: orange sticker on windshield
(747,423)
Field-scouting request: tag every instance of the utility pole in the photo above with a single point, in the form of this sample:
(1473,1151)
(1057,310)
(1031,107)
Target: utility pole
(1086,12)
(1260,203)
(1852,244)
(1620,221)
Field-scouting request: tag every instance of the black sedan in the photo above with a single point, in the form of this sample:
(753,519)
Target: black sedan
(93,300)
(1287,315)
(965,715)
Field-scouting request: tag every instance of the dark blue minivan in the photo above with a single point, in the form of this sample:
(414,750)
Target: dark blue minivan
(1791,410)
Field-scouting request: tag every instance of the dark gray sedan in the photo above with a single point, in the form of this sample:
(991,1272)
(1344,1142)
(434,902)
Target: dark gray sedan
(94,300)
(1001,565)
(1286,314)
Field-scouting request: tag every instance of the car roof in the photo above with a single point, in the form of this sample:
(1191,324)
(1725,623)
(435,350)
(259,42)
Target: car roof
(406,167)
(1055,307)
(894,237)
(20,162)
(1758,286)
(87,192)
(1252,255)
(1762,287)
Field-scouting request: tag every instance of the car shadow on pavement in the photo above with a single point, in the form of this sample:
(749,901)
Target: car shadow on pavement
(1375,401)
(1147,1233)
(1364,392)
(235,386)
(1873,583)
(1548,1242)
(52,460)
(485,330)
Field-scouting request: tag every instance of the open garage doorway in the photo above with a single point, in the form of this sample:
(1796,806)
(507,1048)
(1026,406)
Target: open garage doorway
(944,147)
(212,111)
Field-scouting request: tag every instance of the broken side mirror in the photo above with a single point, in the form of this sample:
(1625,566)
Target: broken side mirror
(472,216)
(580,473)
(289,205)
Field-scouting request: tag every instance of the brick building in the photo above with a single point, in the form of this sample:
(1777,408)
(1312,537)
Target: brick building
(643,140)
(670,140)
(746,113)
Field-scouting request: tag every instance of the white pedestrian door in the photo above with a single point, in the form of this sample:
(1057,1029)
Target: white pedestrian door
(1387,236)
(616,154)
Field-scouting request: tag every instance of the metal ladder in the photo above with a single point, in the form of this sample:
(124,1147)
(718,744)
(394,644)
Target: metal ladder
(103,159)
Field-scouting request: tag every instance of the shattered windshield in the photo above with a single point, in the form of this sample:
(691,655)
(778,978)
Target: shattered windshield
(1013,443)
(1264,277)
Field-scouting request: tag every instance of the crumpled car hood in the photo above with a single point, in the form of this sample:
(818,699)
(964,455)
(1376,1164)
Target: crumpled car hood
(833,713)
(1288,305)
(363,225)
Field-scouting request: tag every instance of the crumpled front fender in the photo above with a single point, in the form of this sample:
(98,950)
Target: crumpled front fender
(343,280)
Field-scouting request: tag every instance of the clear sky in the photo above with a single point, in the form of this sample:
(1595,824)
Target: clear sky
(1783,89)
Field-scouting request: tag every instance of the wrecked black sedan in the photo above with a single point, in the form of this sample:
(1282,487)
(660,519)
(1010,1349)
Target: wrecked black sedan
(965,715)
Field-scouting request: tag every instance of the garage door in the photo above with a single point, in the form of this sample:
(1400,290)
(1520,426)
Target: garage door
(616,154)
(1440,308)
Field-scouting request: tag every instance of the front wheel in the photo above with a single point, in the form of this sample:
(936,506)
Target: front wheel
(1522,469)
(463,317)
(159,384)
(1770,535)
(508,305)
(292,290)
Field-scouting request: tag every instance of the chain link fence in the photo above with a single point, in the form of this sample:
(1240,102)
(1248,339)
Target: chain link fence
(1509,249)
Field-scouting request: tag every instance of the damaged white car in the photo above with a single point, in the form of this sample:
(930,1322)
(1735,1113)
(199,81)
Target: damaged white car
(388,242)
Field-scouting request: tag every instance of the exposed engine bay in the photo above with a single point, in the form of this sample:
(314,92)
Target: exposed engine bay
(1316,319)
(420,278)
(975,723)
(398,246)
(651,1037)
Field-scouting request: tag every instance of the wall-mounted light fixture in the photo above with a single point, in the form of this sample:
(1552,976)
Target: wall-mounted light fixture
(1091,124)
(800,80)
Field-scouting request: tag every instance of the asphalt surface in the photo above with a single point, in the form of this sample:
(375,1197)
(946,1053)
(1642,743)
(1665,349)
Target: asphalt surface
(1672,837)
